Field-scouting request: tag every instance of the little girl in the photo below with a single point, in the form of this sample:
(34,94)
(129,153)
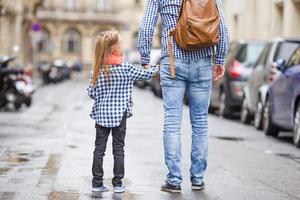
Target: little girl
(111,88)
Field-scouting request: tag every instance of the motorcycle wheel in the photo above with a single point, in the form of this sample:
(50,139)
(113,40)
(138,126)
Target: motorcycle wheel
(17,105)
(28,101)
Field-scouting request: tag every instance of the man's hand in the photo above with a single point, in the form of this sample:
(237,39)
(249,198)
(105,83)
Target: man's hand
(219,71)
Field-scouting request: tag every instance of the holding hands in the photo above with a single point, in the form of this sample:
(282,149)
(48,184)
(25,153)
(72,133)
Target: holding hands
(218,72)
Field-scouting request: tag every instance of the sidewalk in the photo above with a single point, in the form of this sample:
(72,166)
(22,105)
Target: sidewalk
(49,149)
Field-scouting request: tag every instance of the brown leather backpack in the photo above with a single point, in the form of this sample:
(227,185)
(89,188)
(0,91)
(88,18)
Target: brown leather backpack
(197,27)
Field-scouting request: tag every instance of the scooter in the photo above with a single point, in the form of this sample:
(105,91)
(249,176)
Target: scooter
(16,86)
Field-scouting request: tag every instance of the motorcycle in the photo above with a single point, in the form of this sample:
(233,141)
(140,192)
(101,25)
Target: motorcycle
(16,86)
(55,72)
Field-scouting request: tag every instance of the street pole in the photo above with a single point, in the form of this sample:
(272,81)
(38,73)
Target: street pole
(2,13)
(35,32)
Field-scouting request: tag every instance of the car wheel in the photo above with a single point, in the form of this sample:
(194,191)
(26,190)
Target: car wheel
(245,114)
(17,105)
(268,126)
(258,117)
(140,84)
(3,100)
(296,135)
(224,108)
(28,101)
(211,110)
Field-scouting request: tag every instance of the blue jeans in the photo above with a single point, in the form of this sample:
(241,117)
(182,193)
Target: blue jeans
(194,78)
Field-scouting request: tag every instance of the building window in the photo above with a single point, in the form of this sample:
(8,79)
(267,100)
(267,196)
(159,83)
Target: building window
(46,3)
(44,43)
(137,2)
(71,41)
(70,4)
(103,5)
(278,19)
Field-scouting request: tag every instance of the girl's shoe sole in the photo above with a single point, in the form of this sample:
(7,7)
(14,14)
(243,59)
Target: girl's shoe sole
(170,190)
(98,190)
(197,188)
(119,192)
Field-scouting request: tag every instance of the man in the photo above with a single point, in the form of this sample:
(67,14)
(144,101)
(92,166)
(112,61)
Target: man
(195,73)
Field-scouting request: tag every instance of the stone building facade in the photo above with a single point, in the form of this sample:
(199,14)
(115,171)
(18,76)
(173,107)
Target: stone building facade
(70,27)
(15,21)
(262,19)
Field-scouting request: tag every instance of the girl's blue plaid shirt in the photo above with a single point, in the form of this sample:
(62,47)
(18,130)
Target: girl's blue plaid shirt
(168,10)
(112,94)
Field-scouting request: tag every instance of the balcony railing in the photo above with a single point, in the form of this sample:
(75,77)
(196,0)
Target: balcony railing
(78,15)
(79,9)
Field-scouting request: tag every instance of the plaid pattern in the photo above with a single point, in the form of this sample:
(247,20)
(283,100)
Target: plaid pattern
(112,94)
(169,11)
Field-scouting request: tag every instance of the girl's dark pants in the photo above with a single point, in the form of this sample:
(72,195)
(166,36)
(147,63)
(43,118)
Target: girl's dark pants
(118,134)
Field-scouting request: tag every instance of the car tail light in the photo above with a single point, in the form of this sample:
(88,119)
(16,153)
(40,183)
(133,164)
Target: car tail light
(273,72)
(235,70)
(29,73)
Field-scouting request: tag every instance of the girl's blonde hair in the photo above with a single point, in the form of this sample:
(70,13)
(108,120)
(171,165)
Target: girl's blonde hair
(104,47)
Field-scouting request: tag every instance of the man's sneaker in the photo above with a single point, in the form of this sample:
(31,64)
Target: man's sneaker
(119,189)
(198,187)
(171,188)
(101,188)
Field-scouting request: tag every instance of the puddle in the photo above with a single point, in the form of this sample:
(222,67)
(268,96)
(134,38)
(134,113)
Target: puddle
(23,154)
(49,173)
(21,125)
(52,165)
(54,195)
(233,139)
(4,170)
(7,195)
(37,154)
(114,196)
(15,159)
(289,156)
(26,170)
(16,181)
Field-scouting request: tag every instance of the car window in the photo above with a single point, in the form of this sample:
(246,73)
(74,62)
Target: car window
(295,58)
(249,53)
(232,49)
(285,50)
(262,59)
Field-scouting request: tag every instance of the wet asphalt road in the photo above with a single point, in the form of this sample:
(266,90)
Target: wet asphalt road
(46,153)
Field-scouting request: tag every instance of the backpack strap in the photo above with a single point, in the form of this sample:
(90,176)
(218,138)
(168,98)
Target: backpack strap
(181,8)
(171,54)
(213,58)
(170,46)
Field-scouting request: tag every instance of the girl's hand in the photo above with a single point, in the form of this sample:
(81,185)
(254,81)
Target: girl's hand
(147,66)
(131,102)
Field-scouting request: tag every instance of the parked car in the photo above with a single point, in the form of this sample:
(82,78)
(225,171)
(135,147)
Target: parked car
(227,93)
(155,81)
(264,73)
(134,58)
(156,87)
(56,71)
(282,108)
